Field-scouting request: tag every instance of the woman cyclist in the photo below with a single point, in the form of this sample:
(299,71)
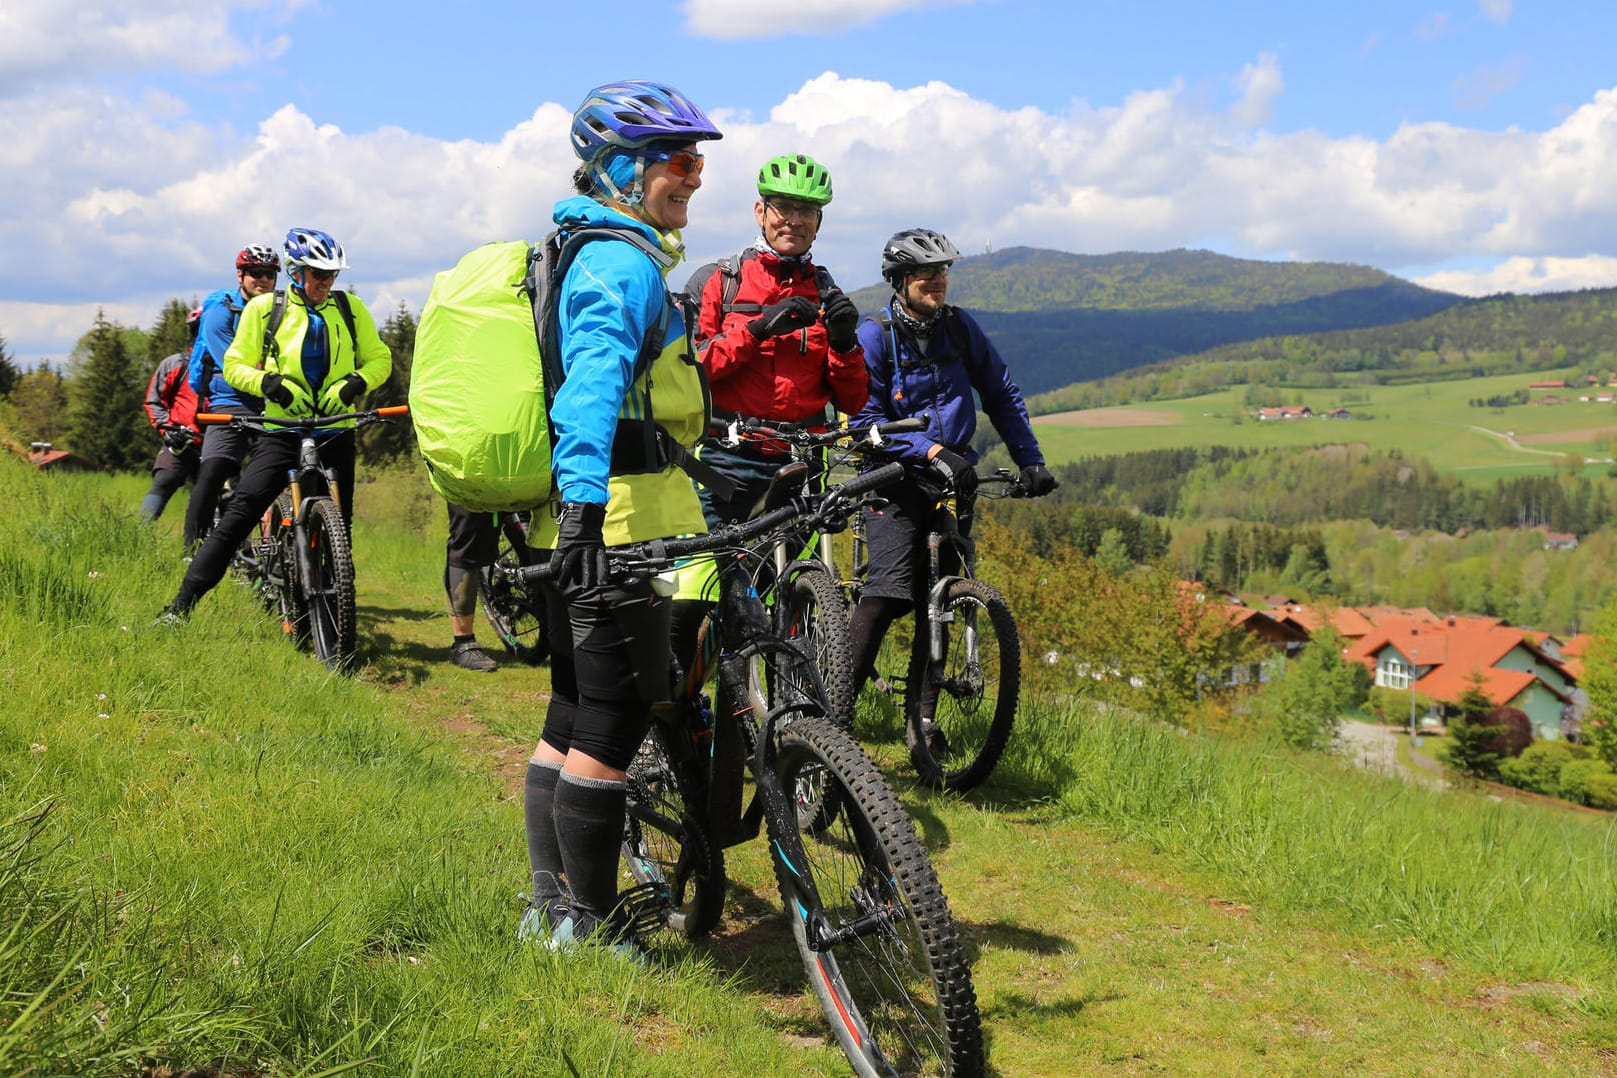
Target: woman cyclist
(322,356)
(637,144)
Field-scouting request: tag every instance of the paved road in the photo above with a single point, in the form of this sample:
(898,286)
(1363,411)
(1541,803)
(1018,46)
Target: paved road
(1376,747)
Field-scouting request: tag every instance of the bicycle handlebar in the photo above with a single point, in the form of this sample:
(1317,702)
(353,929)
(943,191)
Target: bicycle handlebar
(735,432)
(374,415)
(657,555)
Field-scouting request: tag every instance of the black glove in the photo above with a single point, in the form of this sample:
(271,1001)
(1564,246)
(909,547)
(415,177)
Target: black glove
(956,471)
(1037,481)
(176,439)
(841,320)
(580,557)
(271,389)
(787,316)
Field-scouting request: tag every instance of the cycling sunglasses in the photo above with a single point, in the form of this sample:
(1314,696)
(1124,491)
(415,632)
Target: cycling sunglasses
(681,162)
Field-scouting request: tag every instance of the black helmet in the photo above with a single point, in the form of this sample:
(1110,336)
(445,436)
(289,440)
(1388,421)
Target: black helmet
(913,248)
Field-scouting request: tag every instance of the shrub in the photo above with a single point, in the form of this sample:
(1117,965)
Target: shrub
(1603,791)
(1514,735)
(1575,777)
(1538,768)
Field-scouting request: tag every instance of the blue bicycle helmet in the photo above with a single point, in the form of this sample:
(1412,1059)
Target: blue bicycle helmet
(630,115)
(312,247)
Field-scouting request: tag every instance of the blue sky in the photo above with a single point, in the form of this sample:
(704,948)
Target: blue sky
(1468,144)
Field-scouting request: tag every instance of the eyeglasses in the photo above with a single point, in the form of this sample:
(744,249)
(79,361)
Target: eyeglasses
(681,163)
(793,211)
(320,274)
(259,273)
(930,273)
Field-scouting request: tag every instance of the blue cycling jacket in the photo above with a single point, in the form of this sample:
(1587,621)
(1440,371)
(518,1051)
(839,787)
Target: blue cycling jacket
(220,312)
(939,383)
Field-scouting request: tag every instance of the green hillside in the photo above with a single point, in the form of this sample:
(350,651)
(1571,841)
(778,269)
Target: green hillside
(1499,335)
(1060,318)
(218,858)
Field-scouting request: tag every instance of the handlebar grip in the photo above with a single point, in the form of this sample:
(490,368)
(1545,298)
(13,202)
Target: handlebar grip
(394,409)
(905,426)
(874,479)
(214,417)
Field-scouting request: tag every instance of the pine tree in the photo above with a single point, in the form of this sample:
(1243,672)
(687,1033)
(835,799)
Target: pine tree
(10,373)
(391,441)
(1471,737)
(39,404)
(169,334)
(105,420)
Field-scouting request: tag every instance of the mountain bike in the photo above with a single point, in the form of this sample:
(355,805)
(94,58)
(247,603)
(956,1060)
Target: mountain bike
(801,585)
(513,608)
(301,553)
(959,695)
(868,917)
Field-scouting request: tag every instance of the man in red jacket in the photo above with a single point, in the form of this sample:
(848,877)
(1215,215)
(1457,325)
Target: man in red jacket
(779,342)
(777,336)
(171,405)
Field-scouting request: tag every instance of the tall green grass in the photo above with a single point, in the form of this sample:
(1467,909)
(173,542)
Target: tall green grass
(1523,891)
(215,853)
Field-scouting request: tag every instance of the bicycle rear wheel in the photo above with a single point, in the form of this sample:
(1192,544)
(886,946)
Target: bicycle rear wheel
(892,979)
(816,615)
(977,683)
(331,599)
(664,842)
(515,612)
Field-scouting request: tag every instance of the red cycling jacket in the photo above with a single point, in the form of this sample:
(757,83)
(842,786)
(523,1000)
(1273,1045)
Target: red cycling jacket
(169,396)
(785,378)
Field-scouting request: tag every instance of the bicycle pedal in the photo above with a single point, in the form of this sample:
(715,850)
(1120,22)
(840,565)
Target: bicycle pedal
(644,907)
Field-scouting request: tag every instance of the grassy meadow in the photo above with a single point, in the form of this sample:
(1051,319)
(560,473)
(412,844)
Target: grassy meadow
(1432,420)
(218,858)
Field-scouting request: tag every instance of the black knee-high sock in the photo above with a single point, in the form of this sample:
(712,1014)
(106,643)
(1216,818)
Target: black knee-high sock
(538,811)
(589,830)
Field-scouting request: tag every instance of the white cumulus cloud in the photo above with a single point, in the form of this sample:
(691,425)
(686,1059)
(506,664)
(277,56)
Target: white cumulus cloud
(1527,275)
(731,19)
(1497,10)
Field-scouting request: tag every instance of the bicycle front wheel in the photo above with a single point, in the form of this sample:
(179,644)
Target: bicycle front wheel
(786,676)
(330,594)
(670,856)
(515,612)
(816,615)
(892,977)
(969,696)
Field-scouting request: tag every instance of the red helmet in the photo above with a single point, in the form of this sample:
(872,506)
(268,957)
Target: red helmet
(258,255)
(193,321)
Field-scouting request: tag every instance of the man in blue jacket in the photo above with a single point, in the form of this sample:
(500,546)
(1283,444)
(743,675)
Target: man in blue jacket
(927,358)
(224,448)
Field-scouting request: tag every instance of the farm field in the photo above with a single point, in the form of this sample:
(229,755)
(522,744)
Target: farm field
(1433,420)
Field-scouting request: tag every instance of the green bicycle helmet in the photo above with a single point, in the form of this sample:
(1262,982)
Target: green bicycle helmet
(795,176)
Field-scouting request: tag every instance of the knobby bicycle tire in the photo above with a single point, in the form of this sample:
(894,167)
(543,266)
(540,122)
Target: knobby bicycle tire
(897,991)
(664,842)
(331,600)
(816,613)
(515,612)
(978,681)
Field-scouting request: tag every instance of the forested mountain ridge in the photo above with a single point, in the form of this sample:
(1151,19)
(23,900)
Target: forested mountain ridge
(1501,334)
(1060,318)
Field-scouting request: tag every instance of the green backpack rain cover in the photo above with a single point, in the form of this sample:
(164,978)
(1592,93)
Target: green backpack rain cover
(477,386)
(480,391)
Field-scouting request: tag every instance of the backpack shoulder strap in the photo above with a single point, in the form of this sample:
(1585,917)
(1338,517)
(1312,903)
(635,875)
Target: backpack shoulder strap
(272,324)
(347,310)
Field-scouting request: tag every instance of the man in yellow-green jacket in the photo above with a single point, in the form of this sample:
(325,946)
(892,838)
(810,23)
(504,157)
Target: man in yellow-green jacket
(307,351)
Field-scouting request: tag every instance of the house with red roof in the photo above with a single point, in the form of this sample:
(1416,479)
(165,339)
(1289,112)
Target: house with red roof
(1443,658)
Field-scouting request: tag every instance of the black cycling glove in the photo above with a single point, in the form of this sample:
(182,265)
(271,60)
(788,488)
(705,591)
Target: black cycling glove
(841,321)
(580,557)
(177,439)
(1037,481)
(956,470)
(787,316)
(274,389)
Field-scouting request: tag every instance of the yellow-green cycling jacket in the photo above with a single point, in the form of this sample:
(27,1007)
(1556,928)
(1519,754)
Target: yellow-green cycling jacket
(245,363)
